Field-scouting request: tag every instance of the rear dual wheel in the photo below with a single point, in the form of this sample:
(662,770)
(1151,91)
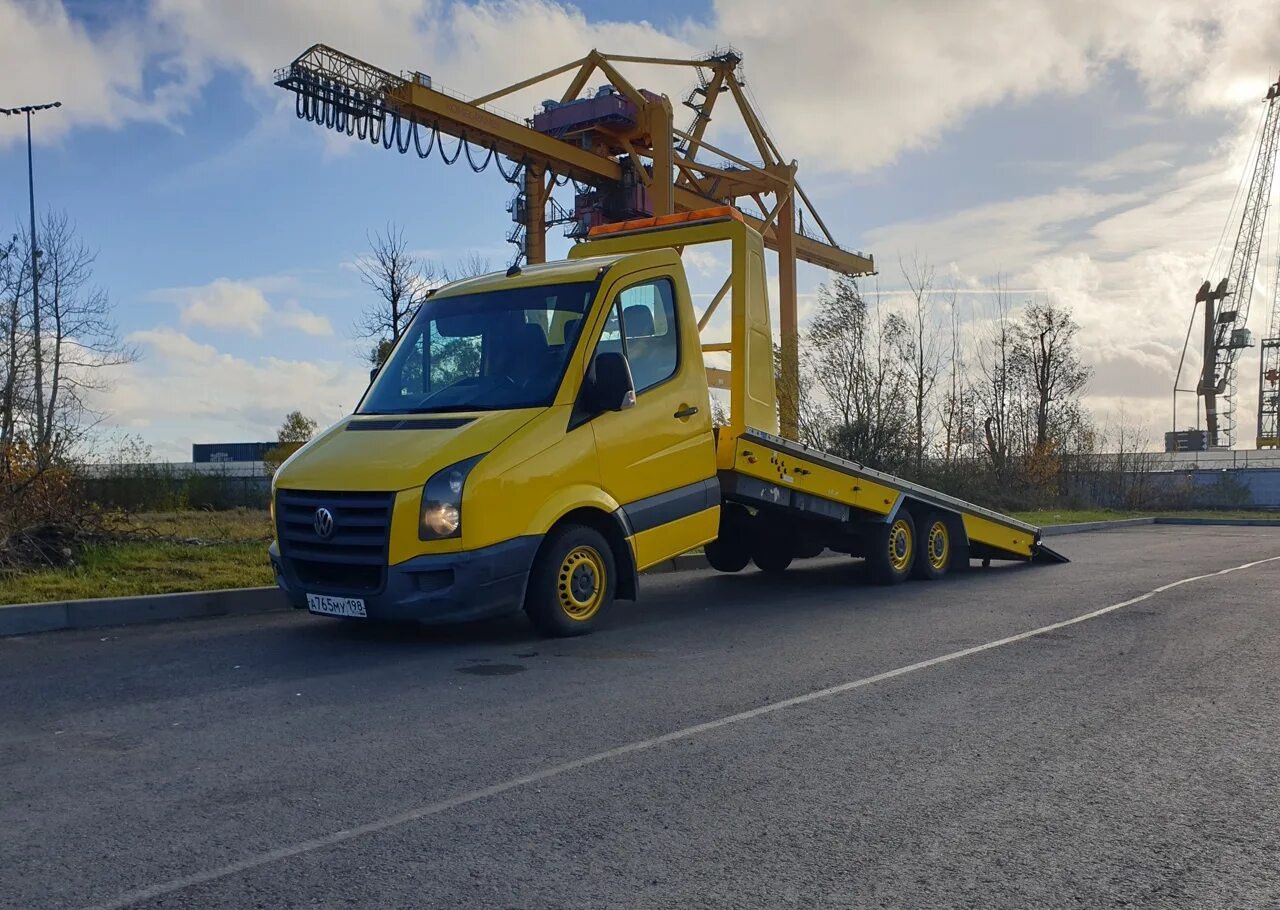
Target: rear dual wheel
(743,539)
(936,551)
(891,550)
(774,549)
(901,549)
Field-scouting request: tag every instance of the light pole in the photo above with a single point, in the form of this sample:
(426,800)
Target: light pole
(30,109)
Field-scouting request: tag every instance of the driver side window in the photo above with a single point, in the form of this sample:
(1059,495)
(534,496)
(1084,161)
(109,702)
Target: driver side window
(642,325)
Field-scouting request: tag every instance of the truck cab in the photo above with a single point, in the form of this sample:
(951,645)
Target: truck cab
(534,440)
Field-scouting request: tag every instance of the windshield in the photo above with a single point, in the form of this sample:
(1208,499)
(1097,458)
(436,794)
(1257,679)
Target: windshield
(486,351)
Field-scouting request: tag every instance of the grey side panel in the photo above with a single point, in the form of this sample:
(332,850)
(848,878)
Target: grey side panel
(653,511)
(758,492)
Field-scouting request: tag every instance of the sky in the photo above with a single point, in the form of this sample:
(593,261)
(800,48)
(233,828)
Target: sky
(1083,151)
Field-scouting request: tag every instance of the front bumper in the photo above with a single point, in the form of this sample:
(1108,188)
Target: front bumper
(439,588)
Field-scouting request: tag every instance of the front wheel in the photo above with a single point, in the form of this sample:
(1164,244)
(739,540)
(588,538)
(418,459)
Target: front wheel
(731,550)
(572,582)
(891,550)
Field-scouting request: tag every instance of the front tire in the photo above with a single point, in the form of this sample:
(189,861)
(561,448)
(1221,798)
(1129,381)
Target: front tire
(731,550)
(572,583)
(891,550)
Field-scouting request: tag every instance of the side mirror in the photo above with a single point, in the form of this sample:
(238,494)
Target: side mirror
(609,383)
(373,374)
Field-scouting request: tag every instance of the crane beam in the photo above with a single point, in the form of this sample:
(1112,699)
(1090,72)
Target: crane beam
(514,140)
(606,154)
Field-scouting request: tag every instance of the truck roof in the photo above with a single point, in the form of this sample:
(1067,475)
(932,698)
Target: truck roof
(561,271)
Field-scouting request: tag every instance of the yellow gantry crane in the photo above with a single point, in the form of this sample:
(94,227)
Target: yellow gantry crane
(619,146)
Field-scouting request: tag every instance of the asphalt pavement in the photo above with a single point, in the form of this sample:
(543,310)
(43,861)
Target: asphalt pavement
(729,741)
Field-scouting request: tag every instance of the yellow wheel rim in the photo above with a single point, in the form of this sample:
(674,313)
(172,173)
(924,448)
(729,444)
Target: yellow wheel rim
(901,547)
(939,546)
(581,583)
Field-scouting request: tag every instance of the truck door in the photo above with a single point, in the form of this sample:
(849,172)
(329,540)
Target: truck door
(657,459)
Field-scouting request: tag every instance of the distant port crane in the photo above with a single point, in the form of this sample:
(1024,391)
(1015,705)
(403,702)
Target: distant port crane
(1226,314)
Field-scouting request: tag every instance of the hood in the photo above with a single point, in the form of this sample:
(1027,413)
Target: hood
(386,453)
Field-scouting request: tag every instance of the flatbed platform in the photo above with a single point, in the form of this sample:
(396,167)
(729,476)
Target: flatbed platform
(765,470)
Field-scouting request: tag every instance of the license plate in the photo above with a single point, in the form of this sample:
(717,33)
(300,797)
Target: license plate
(336,606)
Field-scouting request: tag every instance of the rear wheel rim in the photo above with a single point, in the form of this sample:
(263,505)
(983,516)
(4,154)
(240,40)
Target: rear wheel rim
(581,583)
(900,546)
(939,546)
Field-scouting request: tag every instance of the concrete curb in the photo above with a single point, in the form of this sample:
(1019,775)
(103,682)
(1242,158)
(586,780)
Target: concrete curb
(1229,522)
(1081,526)
(24,619)
(27,619)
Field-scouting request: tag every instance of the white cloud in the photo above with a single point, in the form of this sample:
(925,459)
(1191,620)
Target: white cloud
(1139,159)
(49,56)
(184,389)
(1005,235)
(850,86)
(293,316)
(241,306)
(222,304)
(844,86)
(704,262)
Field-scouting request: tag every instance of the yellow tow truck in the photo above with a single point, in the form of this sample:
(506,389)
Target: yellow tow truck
(540,437)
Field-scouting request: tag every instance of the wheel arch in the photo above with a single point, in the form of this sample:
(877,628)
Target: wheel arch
(920,510)
(611,526)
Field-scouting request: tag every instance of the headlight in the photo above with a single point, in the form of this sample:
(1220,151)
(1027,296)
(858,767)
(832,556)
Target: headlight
(441,514)
(441,519)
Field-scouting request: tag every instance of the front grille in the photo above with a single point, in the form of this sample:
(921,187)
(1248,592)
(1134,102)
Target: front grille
(354,556)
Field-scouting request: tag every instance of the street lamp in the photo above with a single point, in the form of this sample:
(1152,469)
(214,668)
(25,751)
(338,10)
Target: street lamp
(30,109)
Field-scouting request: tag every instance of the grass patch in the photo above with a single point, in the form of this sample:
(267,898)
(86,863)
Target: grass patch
(157,553)
(132,568)
(1045,517)
(234,525)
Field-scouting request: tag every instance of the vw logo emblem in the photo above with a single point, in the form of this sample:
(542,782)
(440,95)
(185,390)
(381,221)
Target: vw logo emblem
(323,523)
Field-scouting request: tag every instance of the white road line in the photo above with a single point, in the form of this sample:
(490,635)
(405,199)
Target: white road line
(143,894)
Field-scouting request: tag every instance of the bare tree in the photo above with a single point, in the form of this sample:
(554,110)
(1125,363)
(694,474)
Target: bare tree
(78,342)
(401,282)
(996,385)
(46,415)
(16,348)
(80,336)
(1047,358)
(856,368)
(469,266)
(925,357)
(837,344)
(958,403)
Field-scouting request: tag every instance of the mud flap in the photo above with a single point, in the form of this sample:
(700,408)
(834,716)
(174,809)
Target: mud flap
(1047,554)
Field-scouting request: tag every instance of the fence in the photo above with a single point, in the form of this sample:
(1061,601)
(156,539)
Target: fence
(1214,480)
(164,487)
